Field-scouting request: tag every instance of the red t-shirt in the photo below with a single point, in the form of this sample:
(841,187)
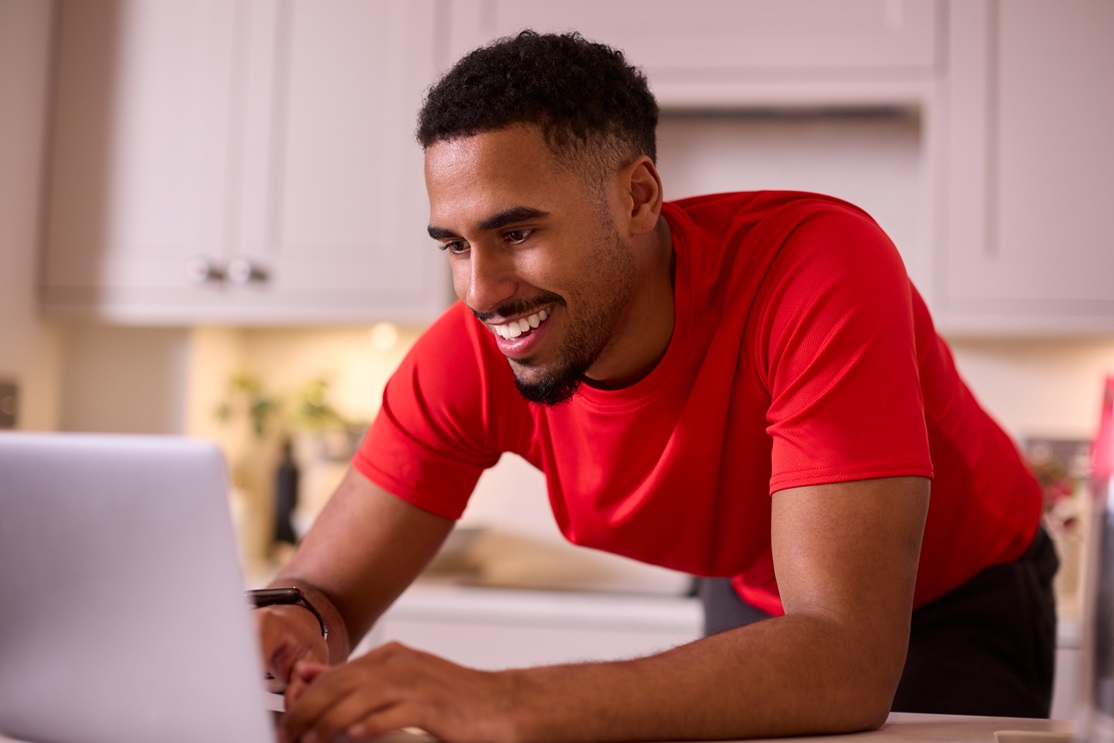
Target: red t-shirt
(800,355)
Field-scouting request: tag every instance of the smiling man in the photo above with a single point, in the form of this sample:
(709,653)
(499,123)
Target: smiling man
(742,386)
(538,257)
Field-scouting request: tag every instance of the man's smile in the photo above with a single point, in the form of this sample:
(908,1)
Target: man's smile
(514,328)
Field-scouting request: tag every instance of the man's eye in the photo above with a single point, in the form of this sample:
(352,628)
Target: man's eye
(516,236)
(456,246)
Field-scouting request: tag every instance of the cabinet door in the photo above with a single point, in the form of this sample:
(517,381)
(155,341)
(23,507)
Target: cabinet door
(335,209)
(270,140)
(725,37)
(1029,183)
(139,149)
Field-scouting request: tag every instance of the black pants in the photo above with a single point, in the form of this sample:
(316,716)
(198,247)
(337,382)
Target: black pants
(986,648)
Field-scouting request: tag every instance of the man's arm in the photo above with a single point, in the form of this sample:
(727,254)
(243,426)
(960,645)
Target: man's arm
(364,549)
(846,559)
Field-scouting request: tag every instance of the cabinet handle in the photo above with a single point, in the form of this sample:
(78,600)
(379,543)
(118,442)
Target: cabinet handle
(203,271)
(242,271)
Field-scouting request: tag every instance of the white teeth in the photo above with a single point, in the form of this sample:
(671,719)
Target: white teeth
(515,328)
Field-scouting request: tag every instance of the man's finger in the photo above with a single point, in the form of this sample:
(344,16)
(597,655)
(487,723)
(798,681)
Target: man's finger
(301,676)
(324,704)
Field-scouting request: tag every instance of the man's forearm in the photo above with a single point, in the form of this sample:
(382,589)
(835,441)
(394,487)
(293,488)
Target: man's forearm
(365,548)
(784,676)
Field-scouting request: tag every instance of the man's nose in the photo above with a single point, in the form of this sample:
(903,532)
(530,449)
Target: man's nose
(491,279)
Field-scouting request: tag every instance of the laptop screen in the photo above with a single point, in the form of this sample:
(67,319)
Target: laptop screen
(122,618)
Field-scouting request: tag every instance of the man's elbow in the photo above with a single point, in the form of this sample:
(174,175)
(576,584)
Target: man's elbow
(874,715)
(868,702)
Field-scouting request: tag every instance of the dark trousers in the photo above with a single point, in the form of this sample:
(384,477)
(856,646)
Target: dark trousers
(986,648)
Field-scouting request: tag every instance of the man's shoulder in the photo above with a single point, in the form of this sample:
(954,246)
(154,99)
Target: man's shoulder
(753,207)
(728,241)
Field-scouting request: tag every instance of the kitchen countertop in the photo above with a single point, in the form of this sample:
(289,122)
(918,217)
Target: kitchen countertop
(912,728)
(903,727)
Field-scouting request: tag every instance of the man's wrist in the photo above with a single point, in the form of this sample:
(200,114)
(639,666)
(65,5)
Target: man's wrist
(287,596)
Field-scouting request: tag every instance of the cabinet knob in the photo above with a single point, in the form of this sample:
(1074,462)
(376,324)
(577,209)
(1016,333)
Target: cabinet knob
(243,271)
(203,271)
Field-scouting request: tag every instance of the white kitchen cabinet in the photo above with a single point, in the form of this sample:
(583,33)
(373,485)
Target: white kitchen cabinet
(1027,183)
(244,162)
(494,628)
(716,52)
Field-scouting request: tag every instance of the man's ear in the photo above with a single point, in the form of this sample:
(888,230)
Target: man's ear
(645,195)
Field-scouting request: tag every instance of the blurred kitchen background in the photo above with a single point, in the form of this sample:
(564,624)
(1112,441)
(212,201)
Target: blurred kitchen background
(212,217)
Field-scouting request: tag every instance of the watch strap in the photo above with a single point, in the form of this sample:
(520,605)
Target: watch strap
(286,596)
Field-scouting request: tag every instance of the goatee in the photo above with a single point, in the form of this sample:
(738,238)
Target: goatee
(551,391)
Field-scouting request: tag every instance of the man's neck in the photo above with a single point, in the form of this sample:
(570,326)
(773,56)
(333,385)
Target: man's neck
(648,321)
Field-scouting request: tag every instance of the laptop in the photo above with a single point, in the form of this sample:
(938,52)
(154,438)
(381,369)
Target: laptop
(122,617)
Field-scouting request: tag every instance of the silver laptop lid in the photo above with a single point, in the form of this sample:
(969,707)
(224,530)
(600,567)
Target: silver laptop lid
(121,610)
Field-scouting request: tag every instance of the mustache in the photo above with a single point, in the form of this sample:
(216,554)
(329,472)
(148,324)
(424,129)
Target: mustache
(519,307)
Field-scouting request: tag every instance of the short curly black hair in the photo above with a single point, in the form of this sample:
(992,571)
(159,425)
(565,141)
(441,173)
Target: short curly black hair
(584,96)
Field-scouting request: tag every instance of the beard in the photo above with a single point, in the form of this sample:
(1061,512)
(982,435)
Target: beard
(556,386)
(556,383)
(551,391)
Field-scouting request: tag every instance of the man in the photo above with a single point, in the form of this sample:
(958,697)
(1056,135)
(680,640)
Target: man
(742,386)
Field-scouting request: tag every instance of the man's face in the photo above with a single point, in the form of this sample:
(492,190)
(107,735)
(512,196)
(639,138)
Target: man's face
(534,252)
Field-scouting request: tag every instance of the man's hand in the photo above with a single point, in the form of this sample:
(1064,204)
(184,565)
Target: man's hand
(288,635)
(394,687)
(351,566)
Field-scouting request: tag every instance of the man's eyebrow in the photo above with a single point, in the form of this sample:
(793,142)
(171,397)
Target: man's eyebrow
(510,216)
(494,222)
(440,233)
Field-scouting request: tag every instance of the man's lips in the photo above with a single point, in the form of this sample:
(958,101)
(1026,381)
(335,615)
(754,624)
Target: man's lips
(512,329)
(518,339)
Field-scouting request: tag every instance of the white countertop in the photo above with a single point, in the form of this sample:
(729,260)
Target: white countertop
(910,728)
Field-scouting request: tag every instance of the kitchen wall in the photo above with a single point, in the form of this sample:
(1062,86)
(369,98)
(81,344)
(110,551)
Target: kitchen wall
(123,380)
(354,362)
(1039,387)
(29,349)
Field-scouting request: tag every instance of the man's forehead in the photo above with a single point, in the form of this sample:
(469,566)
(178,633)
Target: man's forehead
(480,180)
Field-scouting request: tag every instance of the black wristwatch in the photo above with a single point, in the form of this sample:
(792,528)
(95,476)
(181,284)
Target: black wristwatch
(260,597)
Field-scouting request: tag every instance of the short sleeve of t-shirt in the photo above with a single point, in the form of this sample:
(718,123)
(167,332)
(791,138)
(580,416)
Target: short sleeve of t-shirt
(840,357)
(443,420)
